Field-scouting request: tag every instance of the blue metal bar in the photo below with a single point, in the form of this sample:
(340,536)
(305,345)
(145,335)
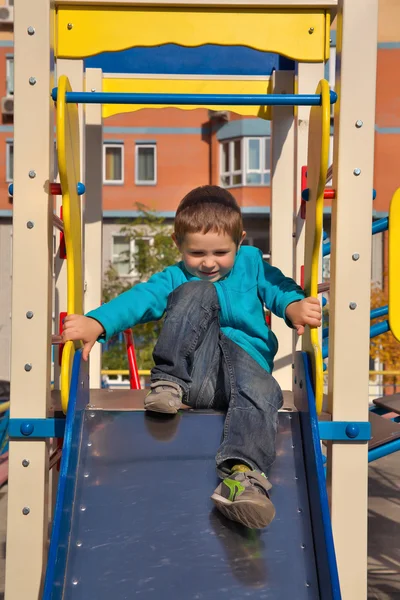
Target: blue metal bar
(216,99)
(377,227)
(384,450)
(379,312)
(380,225)
(358,431)
(36,428)
(379,328)
(375,313)
(376,329)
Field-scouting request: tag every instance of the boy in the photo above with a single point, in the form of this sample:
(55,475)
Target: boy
(215,349)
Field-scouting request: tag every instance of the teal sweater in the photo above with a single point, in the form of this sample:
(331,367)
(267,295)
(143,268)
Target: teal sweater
(250,284)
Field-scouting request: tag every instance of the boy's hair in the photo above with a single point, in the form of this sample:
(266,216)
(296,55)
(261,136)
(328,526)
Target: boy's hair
(209,208)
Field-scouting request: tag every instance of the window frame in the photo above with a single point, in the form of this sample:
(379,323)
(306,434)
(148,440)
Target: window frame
(232,173)
(110,144)
(9,93)
(132,251)
(245,157)
(137,147)
(8,145)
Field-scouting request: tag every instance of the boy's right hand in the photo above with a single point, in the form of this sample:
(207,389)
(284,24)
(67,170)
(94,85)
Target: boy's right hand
(78,327)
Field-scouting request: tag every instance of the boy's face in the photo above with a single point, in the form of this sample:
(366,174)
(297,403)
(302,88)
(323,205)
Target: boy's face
(209,256)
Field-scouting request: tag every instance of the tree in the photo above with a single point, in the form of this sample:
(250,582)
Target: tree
(154,251)
(384,347)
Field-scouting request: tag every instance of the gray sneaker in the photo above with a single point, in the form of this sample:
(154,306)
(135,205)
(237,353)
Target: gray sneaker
(243,497)
(164,397)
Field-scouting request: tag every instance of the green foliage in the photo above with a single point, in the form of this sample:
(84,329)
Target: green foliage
(148,259)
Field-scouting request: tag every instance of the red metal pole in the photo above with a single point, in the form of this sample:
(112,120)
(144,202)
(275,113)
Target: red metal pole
(133,370)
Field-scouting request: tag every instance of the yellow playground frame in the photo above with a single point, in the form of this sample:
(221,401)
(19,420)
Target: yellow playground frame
(59,35)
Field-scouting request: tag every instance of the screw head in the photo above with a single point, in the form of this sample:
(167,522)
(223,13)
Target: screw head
(28,367)
(74,582)
(359,123)
(69,26)
(353,305)
(92,415)
(30,224)
(29,314)
(311,30)
(93,90)
(26,510)
(25,462)
(31,30)
(79,544)
(355,256)
(32,80)
(83,508)
(32,174)
(357,172)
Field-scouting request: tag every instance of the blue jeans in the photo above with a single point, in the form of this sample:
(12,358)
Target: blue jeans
(215,373)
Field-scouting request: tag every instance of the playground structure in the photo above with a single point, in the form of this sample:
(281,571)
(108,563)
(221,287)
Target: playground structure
(300,29)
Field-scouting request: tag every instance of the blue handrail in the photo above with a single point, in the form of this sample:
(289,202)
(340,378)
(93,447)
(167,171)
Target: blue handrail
(216,99)
(375,330)
(377,227)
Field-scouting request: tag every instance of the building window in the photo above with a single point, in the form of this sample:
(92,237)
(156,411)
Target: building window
(10,161)
(246,162)
(258,161)
(231,163)
(113,164)
(10,76)
(146,164)
(128,254)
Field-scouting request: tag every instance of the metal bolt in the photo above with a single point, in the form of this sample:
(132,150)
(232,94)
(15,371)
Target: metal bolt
(86,475)
(296,478)
(303,546)
(353,305)
(293,446)
(79,544)
(31,30)
(30,224)
(32,80)
(308,584)
(357,172)
(355,256)
(74,582)
(69,26)
(28,367)
(90,405)
(89,444)
(25,462)
(26,510)
(82,384)
(83,508)
(93,90)
(359,123)
(92,415)
(29,314)
(299,510)
(32,174)
(311,30)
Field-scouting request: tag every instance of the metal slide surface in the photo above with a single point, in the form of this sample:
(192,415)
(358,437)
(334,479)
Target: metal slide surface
(143,524)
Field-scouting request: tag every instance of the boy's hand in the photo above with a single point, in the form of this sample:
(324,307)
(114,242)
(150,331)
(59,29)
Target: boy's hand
(304,312)
(78,327)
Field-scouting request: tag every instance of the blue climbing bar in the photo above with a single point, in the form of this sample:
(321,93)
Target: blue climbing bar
(215,99)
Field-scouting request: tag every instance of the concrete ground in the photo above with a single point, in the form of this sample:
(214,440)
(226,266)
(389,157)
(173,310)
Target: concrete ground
(384,530)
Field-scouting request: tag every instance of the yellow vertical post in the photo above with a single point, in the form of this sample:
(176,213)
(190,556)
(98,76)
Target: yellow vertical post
(353,166)
(27,522)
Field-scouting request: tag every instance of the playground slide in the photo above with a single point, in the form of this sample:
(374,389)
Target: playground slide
(134,517)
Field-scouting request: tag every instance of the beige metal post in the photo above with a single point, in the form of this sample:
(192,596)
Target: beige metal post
(94,213)
(27,522)
(282,170)
(350,283)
